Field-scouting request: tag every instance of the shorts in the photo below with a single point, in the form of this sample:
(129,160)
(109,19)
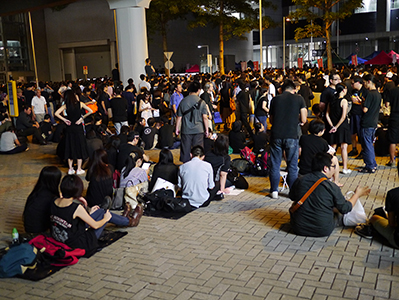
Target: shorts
(355,124)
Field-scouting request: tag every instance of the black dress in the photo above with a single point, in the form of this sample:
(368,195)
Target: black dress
(343,133)
(168,172)
(75,141)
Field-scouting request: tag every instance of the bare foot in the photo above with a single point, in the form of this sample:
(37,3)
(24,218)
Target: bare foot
(339,184)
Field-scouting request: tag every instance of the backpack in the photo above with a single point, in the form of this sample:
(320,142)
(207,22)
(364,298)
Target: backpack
(241,165)
(248,155)
(17,260)
(261,166)
(58,253)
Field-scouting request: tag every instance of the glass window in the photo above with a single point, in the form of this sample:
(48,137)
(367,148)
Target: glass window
(394,4)
(368,6)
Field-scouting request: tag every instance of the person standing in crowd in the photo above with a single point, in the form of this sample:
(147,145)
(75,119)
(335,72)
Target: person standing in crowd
(393,123)
(103,103)
(144,83)
(175,100)
(192,115)
(336,115)
(243,101)
(145,107)
(119,110)
(129,95)
(149,69)
(75,144)
(284,113)
(39,107)
(359,94)
(368,123)
(29,94)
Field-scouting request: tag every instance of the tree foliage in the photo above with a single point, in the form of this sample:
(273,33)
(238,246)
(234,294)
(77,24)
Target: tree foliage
(234,18)
(320,15)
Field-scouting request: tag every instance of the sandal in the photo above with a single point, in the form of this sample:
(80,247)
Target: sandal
(367,170)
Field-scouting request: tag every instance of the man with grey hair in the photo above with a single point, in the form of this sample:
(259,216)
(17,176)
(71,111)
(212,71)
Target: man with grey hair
(39,106)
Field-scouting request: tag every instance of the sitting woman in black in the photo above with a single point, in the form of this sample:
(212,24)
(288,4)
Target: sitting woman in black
(99,175)
(112,149)
(37,207)
(260,139)
(165,169)
(237,137)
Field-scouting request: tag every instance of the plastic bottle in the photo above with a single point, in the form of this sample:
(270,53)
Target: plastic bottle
(15,236)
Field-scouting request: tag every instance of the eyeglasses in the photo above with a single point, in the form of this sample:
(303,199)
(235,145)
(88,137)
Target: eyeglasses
(333,166)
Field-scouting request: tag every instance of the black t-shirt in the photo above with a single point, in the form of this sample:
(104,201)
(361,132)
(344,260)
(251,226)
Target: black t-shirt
(98,189)
(237,141)
(208,145)
(373,103)
(392,205)
(28,96)
(165,136)
(219,163)
(357,108)
(260,141)
(394,100)
(168,172)
(119,109)
(243,100)
(148,137)
(310,145)
(285,110)
(259,111)
(327,96)
(124,151)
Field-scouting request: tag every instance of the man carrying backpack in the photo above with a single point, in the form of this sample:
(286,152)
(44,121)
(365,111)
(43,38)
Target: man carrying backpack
(192,116)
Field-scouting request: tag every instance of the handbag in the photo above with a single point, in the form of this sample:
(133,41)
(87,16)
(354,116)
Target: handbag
(164,184)
(355,216)
(128,194)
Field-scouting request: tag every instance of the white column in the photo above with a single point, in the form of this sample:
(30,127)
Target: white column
(132,37)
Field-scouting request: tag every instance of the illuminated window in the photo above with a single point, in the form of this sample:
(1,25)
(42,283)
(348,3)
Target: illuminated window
(394,4)
(368,6)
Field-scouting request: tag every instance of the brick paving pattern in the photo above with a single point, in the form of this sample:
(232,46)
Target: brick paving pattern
(238,248)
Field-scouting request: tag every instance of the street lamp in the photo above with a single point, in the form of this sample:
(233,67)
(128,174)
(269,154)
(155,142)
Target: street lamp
(207,54)
(260,38)
(284,19)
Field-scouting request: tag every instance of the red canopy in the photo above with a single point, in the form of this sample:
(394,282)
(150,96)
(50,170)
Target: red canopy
(392,54)
(381,59)
(193,69)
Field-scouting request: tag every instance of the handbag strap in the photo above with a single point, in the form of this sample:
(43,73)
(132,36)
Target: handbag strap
(295,206)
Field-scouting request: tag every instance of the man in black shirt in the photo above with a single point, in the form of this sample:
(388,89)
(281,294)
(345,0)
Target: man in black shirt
(165,135)
(119,110)
(27,127)
(285,110)
(149,133)
(129,147)
(315,217)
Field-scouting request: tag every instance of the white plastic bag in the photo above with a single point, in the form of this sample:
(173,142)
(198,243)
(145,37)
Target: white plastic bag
(356,215)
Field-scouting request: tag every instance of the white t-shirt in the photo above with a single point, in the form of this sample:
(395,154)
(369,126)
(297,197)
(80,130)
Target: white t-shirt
(7,141)
(271,93)
(38,104)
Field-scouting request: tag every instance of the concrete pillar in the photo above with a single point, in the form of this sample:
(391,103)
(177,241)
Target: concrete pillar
(132,37)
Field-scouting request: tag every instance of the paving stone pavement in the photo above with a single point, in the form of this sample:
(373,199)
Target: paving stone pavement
(238,248)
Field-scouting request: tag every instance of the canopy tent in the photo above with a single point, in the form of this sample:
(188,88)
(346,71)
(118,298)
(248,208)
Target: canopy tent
(392,54)
(193,69)
(335,60)
(372,55)
(381,59)
(359,59)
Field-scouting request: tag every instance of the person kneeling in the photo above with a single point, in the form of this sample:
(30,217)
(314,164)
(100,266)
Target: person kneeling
(314,215)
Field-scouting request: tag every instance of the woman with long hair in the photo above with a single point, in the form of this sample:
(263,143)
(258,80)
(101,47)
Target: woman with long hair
(73,225)
(145,107)
(99,175)
(36,213)
(75,142)
(132,174)
(165,169)
(337,117)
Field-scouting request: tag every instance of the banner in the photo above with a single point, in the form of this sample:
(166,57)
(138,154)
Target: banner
(320,62)
(256,65)
(300,63)
(354,60)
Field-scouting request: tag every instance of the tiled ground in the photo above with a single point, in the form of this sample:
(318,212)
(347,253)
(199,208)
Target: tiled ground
(239,248)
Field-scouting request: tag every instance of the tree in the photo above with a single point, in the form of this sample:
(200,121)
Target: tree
(320,15)
(234,18)
(161,12)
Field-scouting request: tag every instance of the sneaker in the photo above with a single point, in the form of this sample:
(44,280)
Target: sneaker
(274,195)
(346,171)
(390,164)
(353,152)
(80,172)
(71,171)
(364,230)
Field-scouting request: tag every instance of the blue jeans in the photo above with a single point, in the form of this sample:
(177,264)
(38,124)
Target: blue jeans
(263,120)
(367,140)
(118,126)
(115,219)
(290,146)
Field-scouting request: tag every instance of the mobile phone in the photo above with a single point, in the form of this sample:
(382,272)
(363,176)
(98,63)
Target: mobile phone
(145,166)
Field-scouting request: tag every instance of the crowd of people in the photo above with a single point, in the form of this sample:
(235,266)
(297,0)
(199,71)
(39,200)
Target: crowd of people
(108,126)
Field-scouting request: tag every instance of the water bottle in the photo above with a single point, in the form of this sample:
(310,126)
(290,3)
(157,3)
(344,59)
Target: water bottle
(15,236)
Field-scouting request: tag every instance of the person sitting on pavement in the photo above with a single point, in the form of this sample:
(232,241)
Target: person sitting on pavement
(36,213)
(164,169)
(387,226)
(316,215)
(237,137)
(26,126)
(46,128)
(125,150)
(9,143)
(313,143)
(196,179)
(133,174)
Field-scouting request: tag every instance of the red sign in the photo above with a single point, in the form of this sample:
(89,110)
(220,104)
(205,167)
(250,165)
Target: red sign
(256,65)
(320,62)
(354,60)
(300,63)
